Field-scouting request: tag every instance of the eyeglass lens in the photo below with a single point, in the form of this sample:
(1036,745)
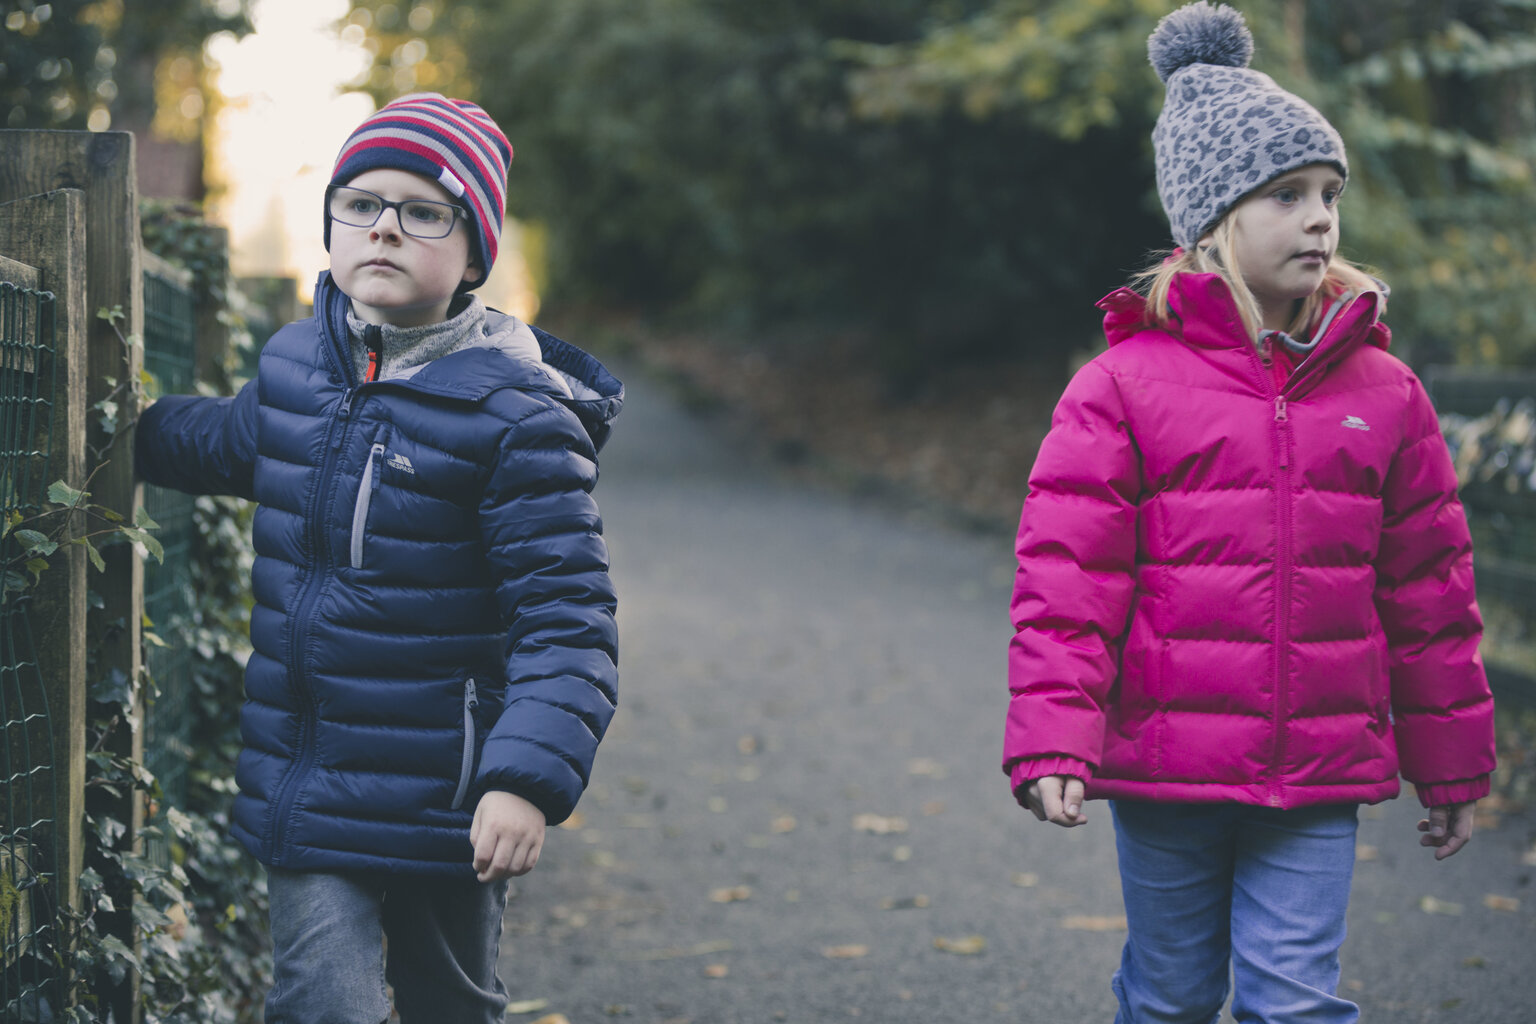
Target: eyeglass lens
(422,218)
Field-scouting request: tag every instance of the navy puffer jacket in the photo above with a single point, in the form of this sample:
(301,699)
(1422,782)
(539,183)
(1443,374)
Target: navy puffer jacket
(433,613)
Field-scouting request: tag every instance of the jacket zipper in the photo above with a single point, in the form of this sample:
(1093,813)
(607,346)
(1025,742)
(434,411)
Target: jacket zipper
(1284,528)
(300,620)
(467,761)
(366,489)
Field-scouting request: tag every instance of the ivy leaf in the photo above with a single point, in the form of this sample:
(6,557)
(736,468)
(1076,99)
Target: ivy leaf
(115,688)
(60,493)
(153,546)
(121,958)
(37,543)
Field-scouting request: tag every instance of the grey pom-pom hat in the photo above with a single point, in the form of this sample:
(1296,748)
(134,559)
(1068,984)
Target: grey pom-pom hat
(1225,129)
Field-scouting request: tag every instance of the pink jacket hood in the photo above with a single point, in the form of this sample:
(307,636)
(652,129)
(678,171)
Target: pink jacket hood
(1229,591)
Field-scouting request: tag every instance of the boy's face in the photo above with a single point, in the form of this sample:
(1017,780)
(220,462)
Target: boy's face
(390,276)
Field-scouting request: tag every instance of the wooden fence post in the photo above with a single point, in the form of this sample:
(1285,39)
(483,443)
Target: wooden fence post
(48,232)
(101,165)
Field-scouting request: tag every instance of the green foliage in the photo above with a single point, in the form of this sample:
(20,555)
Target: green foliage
(711,159)
(69,519)
(962,178)
(67,60)
(197,928)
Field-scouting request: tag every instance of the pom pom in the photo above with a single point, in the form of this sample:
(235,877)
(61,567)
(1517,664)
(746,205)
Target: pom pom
(1199,33)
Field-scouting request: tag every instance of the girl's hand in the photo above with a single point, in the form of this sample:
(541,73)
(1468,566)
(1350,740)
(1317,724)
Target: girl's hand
(1058,799)
(1448,828)
(508,833)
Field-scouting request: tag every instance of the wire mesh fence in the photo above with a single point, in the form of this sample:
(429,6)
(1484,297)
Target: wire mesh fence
(169,602)
(31,981)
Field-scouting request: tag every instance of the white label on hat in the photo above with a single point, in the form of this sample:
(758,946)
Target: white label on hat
(451,182)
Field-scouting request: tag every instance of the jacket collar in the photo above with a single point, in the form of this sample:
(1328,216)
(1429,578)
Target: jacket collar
(1206,316)
(561,370)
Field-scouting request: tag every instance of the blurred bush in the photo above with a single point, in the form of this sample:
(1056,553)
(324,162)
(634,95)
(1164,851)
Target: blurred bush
(960,179)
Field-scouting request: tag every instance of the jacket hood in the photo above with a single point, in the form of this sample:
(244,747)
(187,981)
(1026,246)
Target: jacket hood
(1205,314)
(511,354)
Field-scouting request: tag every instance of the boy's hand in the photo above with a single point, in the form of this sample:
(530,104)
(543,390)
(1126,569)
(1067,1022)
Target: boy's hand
(1448,828)
(508,833)
(1057,798)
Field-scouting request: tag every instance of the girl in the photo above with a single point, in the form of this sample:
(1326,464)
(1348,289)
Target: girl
(1244,601)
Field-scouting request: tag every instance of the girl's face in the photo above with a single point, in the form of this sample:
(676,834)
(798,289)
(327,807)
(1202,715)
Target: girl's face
(1285,234)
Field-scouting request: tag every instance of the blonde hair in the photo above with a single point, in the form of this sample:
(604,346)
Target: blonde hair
(1215,257)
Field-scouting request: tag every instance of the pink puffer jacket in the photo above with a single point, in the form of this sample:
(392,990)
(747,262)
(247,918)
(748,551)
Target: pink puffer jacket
(1229,594)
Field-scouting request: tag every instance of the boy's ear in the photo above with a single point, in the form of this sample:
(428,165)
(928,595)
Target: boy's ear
(473,274)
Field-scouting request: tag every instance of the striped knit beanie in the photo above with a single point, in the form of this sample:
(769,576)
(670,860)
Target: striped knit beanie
(1225,129)
(451,142)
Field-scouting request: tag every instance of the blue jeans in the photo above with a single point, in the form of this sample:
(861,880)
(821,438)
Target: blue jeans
(1208,886)
(329,962)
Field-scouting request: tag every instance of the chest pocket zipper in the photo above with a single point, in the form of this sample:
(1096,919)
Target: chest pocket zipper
(467,762)
(365,492)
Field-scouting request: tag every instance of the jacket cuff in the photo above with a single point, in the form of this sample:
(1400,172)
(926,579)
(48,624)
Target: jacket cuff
(1440,794)
(1027,771)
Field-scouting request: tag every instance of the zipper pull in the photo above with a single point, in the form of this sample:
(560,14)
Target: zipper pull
(1267,349)
(373,341)
(1282,417)
(342,414)
(470,699)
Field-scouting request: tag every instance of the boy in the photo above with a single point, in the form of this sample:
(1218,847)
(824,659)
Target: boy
(433,630)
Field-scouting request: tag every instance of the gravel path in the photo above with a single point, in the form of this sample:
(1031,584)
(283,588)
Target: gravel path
(798,815)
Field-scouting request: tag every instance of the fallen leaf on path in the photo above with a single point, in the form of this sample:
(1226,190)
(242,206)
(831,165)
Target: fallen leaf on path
(852,951)
(933,807)
(1026,879)
(716,971)
(1366,852)
(528,1006)
(901,854)
(925,766)
(1505,903)
(879,824)
(1474,961)
(718,804)
(747,745)
(733,894)
(554,1018)
(784,823)
(574,822)
(1529,859)
(917,902)
(968,945)
(1431,905)
(1094,923)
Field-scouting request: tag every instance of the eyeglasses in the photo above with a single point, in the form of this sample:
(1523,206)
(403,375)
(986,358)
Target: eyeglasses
(420,218)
